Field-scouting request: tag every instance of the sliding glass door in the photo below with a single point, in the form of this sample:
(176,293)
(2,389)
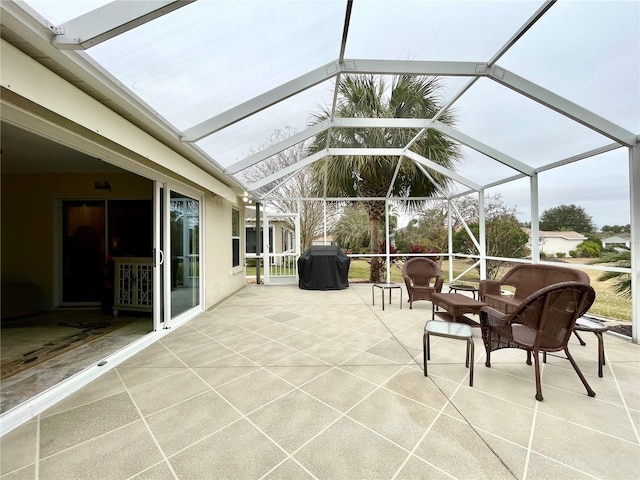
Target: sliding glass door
(177,257)
(184,227)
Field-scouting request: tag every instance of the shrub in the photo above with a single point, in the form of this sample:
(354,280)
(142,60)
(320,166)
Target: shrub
(573,254)
(415,248)
(543,255)
(561,254)
(589,249)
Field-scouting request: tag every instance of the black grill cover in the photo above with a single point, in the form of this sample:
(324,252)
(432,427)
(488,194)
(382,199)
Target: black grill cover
(323,267)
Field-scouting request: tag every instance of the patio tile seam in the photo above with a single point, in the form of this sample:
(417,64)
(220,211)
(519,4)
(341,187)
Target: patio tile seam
(289,457)
(343,415)
(83,442)
(423,460)
(447,399)
(37,449)
(587,427)
(576,391)
(340,413)
(566,465)
(183,369)
(168,407)
(19,469)
(387,327)
(204,438)
(149,468)
(232,354)
(242,416)
(627,408)
(441,413)
(148,429)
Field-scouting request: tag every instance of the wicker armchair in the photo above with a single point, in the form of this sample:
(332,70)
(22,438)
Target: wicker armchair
(422,278)
(526,279)
(543,322)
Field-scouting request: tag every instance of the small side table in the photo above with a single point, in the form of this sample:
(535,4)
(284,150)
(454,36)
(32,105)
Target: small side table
(454,287)
(585,324)
(383,287)
(459,331)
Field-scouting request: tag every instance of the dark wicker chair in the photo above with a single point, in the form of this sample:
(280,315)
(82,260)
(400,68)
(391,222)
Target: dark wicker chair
(543,322)
(422,278)
(526,279)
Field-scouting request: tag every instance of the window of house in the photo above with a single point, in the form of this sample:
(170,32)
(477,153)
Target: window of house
(235,236)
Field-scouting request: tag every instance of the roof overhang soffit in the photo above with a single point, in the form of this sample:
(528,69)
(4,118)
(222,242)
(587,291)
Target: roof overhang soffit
(108,21)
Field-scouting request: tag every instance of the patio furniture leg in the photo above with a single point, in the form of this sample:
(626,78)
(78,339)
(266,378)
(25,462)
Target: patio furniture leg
(538,383)
(486,339)
(601,360)
(425,350)
(466,360)
(582,342)
(590,392)
(471,356)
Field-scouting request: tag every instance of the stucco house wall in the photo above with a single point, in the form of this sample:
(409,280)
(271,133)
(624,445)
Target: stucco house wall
(37,99)
(554,242)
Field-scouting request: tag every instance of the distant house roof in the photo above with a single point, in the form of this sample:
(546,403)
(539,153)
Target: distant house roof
(616,239)
(568,235)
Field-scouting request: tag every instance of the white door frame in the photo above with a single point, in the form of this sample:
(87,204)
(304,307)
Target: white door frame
(288,261)
(162,318)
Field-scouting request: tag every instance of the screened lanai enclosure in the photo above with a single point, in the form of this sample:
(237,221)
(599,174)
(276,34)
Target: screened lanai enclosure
(270,102)
(538,100)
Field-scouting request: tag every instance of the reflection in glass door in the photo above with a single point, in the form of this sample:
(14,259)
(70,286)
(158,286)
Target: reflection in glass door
(83,251)
(184,221)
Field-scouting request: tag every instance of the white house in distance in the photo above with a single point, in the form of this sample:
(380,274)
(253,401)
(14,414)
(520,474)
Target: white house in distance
(552,243)
(617,241)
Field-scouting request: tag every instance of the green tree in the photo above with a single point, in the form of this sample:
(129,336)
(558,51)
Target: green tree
(368,96)
(616,228)
(566,217)
(299,185)
(429,230)
(469,208)
(351,232)
(505,238)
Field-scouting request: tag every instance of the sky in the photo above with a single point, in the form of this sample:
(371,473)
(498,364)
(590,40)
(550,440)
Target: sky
(209,56)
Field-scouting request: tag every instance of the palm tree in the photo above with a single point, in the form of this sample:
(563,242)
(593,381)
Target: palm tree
(622,280)
(367,96)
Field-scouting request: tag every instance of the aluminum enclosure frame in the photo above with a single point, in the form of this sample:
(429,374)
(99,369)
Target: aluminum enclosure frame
(85,32)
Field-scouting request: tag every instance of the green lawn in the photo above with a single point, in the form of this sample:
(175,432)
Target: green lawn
(607,304)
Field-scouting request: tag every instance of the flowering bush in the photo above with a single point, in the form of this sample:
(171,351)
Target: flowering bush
(416,249)
(379,264)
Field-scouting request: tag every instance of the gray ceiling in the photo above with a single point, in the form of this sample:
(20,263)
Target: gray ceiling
(26,152)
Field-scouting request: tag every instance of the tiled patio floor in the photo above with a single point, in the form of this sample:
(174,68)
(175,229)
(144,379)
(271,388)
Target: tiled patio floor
(278,382)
